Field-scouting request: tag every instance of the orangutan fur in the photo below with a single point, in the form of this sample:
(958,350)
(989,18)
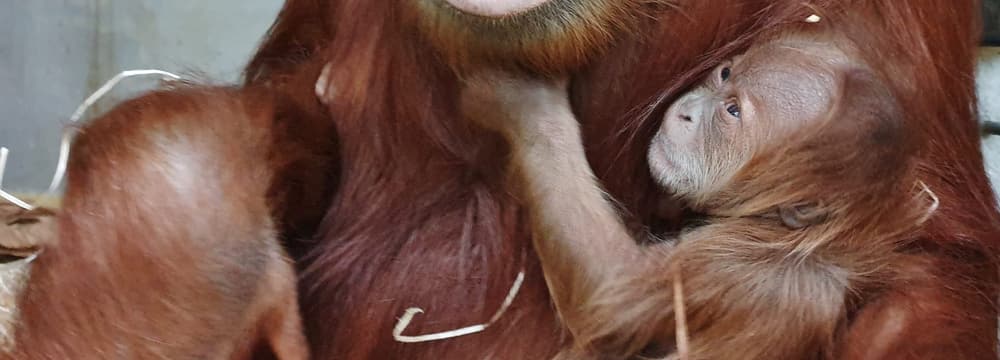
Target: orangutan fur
(22,234)
(117,281)
(797,154)
(422,214)
(564,34)
(388,198)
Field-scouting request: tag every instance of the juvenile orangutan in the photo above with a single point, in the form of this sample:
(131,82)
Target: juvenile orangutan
(797,155)
(115,280)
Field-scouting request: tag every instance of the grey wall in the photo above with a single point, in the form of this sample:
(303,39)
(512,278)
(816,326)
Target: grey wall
(53,53)
(988,87)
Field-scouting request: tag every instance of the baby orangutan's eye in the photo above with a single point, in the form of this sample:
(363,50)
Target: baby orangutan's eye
(733,108)
(725,73)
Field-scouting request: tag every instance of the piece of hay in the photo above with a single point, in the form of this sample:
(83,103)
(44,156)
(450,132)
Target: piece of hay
(404,321)
(680,318)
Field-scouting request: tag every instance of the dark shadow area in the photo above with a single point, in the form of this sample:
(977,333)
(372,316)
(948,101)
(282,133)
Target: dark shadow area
(991,22)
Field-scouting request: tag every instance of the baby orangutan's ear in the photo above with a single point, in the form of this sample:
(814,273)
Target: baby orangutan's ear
(797,216)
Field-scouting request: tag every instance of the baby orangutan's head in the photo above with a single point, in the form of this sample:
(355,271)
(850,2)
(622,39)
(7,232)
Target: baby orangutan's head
(797,105)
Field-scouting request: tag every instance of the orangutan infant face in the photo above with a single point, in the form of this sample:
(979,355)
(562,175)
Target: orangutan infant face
(711,132)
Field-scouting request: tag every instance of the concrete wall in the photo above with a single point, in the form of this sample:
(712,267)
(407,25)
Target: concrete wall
(988,86)
(53,53)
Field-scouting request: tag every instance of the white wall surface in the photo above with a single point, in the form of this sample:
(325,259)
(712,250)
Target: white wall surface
(988,86)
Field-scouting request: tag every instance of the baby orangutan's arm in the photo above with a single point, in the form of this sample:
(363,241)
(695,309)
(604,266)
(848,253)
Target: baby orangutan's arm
(570,208)
(615,296)
(579,236)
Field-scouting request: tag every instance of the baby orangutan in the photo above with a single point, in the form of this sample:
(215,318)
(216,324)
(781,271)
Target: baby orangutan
(797,154)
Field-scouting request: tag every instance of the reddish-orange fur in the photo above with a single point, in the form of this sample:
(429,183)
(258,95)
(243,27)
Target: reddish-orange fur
(166,246)
(22,234)
(422,216)
(950,314)
(395,131)
(820,132)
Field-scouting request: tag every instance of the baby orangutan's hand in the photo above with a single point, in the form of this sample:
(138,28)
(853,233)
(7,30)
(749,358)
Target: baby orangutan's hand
(520,108)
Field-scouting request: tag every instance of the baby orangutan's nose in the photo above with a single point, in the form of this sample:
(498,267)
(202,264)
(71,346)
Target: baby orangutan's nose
(683,117)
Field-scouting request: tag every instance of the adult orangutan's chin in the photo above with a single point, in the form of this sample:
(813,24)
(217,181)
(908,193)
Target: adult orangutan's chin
(498,9)
(538,36)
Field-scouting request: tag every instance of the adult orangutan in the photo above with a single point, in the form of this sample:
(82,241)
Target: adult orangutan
(422,215)
(420,212)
